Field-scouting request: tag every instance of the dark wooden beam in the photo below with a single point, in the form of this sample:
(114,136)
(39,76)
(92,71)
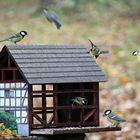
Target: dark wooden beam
(66,107)
(8,68)
(36,96)
(96,103)
(30,106)
(2,74)
(11,81)
(44,102)
(66,91)
(14,75)
(87,116)
(9,64)
(43,122)
(55,104)
(26,92)
(73,130)
(82,109)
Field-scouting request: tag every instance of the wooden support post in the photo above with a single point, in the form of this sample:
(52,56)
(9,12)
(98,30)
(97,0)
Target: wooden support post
(96,103)
(9,64)
(55,104)
(14,75)
(30,107)
(44,103)
(68,115)
(82,110)
(2,75)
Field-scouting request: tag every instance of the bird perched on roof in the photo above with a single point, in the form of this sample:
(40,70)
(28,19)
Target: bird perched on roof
(136,53)
(95,50)
(80,101)
(52,17)
(113,118)
(16,37)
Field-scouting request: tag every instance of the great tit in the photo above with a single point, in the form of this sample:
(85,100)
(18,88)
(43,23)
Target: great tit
(113,118)
(16,37)
(95,50)
(52,17)
(79,101)
(136,53)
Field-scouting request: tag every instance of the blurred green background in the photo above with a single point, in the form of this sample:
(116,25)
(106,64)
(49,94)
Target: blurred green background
(112,25)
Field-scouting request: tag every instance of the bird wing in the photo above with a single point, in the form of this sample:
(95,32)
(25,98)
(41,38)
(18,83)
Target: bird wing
(14,36)
(102,52)
(95,51)
(116,117)
(53,15)
(47,14)
(54,18)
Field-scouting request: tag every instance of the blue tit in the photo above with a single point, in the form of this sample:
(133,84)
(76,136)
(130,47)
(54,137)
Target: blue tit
(95,51)
(136,53)
(113,118)
(16,37)
(79,101)
(52,17)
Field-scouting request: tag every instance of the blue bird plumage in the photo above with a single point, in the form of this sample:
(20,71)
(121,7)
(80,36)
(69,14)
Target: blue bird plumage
(52,17)
(113,118)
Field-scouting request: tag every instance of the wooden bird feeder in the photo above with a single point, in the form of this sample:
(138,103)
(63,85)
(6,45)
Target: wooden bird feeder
(51,76)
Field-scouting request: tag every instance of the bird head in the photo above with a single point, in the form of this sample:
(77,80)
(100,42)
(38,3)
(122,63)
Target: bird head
(45,9)
(23,33)
(107,112)
(135,53)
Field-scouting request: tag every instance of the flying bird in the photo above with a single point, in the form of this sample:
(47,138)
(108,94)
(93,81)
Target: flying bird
(79,101)
(136,53)
(52,17)
(16,37)
(95,50)
(113,118)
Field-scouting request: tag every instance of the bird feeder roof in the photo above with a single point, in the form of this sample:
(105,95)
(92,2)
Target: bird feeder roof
(50,64)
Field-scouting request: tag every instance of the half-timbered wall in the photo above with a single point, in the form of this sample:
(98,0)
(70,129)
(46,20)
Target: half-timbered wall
(52,107)
(13,89)
(14,99)
(78,115)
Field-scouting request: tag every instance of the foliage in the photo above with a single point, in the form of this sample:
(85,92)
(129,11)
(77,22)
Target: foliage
(6,132)
(8,120)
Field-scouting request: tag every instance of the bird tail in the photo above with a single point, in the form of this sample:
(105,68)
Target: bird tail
(91,42)
(96,56)
(57,23)
(103,52)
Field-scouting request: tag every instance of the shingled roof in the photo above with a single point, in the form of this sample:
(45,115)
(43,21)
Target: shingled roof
(55,64)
